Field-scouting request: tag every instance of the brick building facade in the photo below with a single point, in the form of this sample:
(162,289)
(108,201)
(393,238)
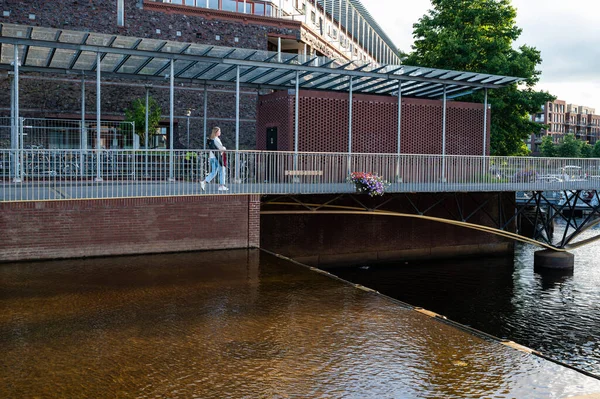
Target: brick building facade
(59,96)
(323,124)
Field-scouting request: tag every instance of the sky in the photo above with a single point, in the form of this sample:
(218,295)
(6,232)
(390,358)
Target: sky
(565,33)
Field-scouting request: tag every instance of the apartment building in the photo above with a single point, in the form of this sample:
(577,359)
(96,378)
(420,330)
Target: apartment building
(562,118)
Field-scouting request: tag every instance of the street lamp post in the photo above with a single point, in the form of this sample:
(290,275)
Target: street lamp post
(188,113)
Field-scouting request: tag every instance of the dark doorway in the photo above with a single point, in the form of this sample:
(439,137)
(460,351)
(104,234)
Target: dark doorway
(271,139)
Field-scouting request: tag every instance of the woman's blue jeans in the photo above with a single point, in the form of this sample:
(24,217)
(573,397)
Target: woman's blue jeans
(214,169)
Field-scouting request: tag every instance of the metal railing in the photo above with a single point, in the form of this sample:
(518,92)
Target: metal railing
(42,174)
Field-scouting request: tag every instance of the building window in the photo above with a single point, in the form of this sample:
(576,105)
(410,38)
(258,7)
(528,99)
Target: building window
(259,9)
(120,12)
(228,5)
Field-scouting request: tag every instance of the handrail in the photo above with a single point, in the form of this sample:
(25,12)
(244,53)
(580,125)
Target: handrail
(58,174)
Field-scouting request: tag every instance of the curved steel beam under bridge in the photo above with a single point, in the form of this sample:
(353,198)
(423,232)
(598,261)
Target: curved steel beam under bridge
(540,211)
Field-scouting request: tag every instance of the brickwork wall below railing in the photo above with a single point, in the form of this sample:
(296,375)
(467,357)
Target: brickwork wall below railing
(70,229)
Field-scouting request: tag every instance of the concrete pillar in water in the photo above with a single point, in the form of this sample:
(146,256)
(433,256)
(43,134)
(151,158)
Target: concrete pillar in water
(554,260)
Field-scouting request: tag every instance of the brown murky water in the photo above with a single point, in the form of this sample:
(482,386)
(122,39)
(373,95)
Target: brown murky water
(240,324)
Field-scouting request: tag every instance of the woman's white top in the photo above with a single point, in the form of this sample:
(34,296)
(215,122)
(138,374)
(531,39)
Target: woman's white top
(219,145)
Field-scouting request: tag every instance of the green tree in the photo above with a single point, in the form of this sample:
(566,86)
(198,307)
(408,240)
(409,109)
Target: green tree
(548,148)
(586,150)
(596,150)
(478,36)
(569,147)
(137,114)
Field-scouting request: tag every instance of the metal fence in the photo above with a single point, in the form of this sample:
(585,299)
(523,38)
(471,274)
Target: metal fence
(42,174)
(44,133)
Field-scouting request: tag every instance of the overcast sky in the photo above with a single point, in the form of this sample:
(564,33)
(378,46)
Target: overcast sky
(566,34)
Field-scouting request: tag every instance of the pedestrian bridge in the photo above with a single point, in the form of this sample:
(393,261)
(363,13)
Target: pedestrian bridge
(42,174)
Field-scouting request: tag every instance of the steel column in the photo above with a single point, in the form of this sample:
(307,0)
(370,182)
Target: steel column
(485,107)
(237,123)
(444,137)
(83,144)
(350,92)
(17,120)
(146,131)
(297,100)
(171,124)
(98,103)
(205,105)
(399,147)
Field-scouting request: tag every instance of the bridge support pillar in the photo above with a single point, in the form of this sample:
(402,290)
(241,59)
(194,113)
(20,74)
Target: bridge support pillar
(554,260)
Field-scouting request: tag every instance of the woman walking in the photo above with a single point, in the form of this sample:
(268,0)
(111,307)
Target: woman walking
(216,160)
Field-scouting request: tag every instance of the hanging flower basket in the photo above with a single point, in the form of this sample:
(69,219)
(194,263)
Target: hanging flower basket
(368,183)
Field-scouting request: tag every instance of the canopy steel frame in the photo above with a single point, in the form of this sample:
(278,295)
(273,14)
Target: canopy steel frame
(367,78)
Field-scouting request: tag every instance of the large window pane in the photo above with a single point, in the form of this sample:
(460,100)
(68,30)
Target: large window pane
(228,5)
(259,9)
(213,4)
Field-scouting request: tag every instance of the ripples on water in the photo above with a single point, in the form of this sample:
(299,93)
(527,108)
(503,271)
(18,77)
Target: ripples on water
(240,324)
(555,313)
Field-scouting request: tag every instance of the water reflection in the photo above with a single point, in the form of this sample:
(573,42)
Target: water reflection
(239,324)
(550,311)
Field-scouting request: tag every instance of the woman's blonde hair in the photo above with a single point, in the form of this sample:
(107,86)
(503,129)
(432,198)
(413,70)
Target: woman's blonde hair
(214,131)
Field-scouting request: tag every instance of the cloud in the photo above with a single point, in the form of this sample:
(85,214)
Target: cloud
(565,33)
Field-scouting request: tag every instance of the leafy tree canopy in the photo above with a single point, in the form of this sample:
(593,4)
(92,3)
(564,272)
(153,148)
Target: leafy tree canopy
(548,148)
(478,36)
(137,114)
(570,147)
(596,150)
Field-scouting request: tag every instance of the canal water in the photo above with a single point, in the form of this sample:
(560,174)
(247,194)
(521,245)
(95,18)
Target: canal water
(234,324)
(557,314)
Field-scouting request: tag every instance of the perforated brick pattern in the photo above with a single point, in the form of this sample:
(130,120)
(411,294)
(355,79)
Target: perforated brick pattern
(323,124)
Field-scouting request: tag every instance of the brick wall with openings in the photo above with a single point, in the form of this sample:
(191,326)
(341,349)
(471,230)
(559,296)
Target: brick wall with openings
(59,96)
(68,229)
(323,124)
(325,239)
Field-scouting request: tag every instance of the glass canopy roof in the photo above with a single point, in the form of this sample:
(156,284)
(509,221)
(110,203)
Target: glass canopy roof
(62,51)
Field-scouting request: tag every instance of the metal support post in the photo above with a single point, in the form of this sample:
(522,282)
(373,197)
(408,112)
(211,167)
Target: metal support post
(237,123)
(279,49)
(296,119)
(350,125)
(146,132)
(187,114)
(171,124)
(444,137)
(485,109)
(83,145)
(205,105)
(17,121)
(98,102)
(399,147)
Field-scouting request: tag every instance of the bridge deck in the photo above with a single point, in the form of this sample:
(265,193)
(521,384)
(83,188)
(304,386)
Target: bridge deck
(30,175)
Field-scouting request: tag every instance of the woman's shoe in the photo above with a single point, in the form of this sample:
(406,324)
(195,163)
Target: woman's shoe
(223,188)
(203,185)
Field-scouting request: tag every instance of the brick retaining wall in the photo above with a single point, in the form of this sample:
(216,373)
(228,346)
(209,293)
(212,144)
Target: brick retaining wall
(68,229)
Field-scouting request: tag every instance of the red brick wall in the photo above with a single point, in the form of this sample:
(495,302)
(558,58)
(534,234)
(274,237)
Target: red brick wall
(58,96)
(66,229)
(323,124)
